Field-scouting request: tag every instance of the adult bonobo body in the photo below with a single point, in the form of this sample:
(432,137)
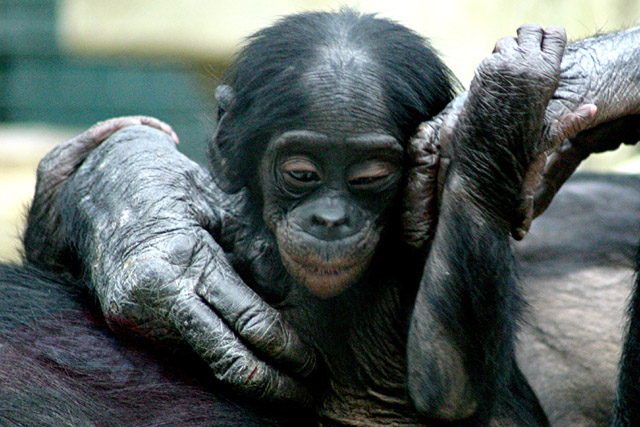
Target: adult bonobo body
(308,150)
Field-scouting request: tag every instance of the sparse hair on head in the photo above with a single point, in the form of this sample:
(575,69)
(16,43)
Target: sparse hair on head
(266,78)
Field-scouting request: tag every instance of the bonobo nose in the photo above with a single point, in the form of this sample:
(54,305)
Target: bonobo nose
(330,219)
(330,225)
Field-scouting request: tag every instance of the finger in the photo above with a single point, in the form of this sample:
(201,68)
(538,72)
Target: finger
(559,167)
(231,362)
(160,125)
(568,156)
(420,199)
(530,36)
(104,130)
(61,162)
(569,125)
(505,43)
(553,42)
(251,318)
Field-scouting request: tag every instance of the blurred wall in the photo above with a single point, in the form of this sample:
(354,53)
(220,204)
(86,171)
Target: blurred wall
(464,30)
(43,81)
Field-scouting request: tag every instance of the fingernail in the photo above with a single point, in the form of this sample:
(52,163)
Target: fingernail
(587,111)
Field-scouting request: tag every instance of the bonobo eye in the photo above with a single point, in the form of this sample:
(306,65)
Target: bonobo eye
(371,175)
(300,172)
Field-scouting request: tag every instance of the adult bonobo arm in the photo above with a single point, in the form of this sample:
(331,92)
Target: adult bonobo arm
(100,211)
(601,71)
(461,337)
(604,71)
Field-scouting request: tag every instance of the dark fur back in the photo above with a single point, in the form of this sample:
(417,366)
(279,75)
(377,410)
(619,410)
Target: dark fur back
(627,410)
(60,366)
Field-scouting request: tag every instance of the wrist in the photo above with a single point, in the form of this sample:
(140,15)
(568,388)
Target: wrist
(485,205)
(607,73)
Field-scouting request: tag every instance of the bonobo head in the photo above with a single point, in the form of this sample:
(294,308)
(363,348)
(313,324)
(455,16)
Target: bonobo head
(313,121)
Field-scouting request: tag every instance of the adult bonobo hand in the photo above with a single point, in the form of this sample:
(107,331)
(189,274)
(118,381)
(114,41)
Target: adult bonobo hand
(460,349)
(151,283)
(42,240)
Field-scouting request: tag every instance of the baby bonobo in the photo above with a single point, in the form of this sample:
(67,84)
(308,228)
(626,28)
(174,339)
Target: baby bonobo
(322,205)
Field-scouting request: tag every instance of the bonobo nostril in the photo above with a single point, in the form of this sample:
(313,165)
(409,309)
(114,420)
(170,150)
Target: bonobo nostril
(329,219)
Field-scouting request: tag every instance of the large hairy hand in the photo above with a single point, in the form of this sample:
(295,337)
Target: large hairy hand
(146,244)
(43,243)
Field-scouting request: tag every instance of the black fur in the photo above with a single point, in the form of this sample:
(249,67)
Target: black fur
(68,369)
(627,410)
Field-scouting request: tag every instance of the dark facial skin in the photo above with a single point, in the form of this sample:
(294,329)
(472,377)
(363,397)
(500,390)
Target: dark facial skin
(327,185)
(325,199)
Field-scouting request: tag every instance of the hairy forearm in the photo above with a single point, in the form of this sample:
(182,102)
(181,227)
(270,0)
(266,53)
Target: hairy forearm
(609,64)
(465,309)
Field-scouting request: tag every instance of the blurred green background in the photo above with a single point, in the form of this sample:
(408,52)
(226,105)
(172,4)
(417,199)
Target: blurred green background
(66,64)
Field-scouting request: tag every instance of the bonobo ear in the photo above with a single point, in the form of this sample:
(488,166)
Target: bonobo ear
(224,95)
(223,172)
(226,175)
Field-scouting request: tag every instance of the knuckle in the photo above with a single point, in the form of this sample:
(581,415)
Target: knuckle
(556,31)
(530,27)
(147,273)
(254,321)
(268,331)
(150,279)
(47,165)
(180,249)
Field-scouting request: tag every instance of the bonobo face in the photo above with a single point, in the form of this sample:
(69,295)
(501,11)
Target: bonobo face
(325,196)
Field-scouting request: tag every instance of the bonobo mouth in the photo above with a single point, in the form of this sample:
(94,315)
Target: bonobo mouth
(325,280)
(327,269)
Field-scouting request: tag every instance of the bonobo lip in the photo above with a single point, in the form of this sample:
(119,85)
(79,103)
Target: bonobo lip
(328,268)
(325,279)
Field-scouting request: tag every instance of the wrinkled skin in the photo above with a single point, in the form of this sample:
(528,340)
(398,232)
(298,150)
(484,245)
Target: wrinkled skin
(598,72)
(156,293)
(175,312)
